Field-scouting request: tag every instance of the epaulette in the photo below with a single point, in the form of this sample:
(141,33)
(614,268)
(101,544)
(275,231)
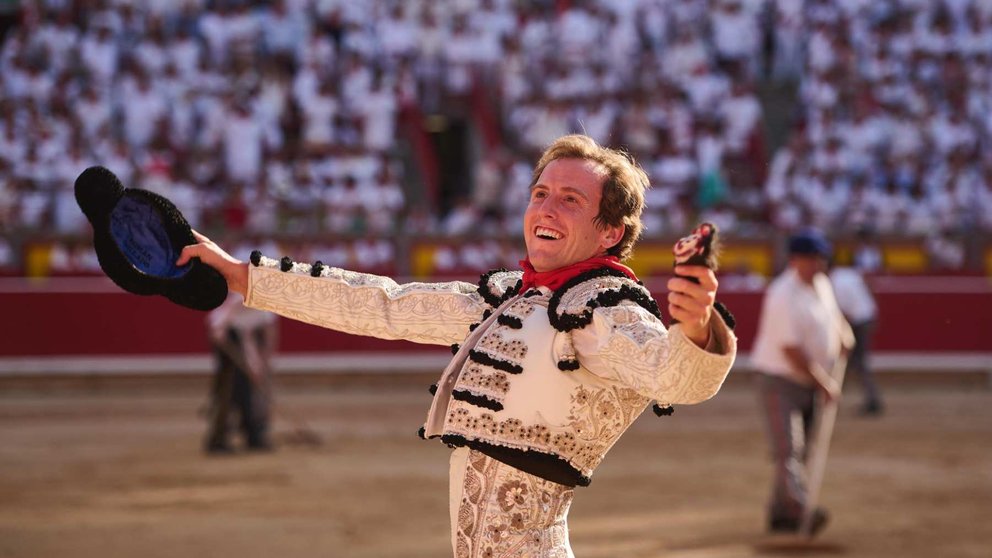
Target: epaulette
(572,305)
(499,285)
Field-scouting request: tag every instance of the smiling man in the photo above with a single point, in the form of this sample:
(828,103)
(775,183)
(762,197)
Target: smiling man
(551,364)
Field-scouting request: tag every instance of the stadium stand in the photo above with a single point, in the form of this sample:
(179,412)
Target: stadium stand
(303,120)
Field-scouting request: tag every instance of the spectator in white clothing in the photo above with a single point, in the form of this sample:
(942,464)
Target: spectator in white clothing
(378,109)
(736,36)
(99,55)
(741,114)
(283,30)
(243,142)
(143,108)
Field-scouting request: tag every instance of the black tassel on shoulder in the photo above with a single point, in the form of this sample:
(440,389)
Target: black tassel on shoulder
(665,411)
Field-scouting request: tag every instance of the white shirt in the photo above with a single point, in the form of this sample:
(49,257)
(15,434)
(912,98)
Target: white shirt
(379,110)
(741,114)
(682,57)
(184,53)
(318,119)
(397,36)
(799,315)
(142,109)
(93,114)
(853,296)
(99,56)
(735,35)
(242,138)
(151,56)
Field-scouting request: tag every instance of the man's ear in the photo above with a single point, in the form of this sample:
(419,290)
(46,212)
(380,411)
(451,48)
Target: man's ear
(612,235)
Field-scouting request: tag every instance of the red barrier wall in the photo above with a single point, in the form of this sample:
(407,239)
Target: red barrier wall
(92,317)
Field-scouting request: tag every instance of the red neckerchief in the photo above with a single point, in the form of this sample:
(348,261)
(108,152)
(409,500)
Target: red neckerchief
(555,278)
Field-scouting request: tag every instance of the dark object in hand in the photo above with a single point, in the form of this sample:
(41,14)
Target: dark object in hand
(699,248)
(138,236)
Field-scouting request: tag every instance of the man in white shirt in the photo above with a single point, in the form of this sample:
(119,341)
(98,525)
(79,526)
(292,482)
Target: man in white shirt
(858,305)
(801,336)
(243,141)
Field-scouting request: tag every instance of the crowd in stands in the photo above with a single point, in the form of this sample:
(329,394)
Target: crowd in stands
(295,116)
(895,132)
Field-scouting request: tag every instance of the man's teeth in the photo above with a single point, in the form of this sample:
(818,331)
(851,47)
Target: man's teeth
(547,233)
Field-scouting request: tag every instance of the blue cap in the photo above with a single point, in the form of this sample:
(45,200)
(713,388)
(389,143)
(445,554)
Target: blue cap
(809,242)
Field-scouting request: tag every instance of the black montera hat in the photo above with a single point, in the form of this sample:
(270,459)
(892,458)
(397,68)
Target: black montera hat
(138,236)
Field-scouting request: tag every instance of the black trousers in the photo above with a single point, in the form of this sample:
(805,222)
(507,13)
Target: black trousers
(234,391)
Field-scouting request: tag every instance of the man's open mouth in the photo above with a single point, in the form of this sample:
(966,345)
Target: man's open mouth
(547,234)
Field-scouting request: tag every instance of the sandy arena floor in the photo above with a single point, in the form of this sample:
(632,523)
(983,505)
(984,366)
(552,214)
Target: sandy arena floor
(117,472)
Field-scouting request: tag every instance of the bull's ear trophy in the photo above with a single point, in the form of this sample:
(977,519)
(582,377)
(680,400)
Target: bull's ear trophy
(138,236)
(701,247)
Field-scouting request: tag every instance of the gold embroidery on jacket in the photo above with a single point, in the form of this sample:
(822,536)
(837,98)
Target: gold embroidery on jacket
(484,380)
(505,512)
(510,350)
(597,419)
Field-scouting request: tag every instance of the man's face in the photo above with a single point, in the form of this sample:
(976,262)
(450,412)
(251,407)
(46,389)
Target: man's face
(559,227)
(807,266)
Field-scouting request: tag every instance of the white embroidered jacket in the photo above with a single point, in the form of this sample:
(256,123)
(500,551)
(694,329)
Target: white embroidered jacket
(544,381)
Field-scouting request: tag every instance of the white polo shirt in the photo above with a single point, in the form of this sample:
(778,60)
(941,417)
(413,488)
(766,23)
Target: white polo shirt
(853,296)
(796,314)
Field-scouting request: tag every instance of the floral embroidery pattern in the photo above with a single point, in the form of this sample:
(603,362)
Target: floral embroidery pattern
(686,378)
(504,513)
(366,304)
(513,493)
(597,419)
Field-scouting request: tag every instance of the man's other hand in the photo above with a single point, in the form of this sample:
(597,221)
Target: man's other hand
(692,304)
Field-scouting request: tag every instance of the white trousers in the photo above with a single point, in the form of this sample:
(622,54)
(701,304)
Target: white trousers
(499,511)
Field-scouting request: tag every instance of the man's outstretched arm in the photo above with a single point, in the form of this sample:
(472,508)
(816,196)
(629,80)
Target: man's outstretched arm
(351,302)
